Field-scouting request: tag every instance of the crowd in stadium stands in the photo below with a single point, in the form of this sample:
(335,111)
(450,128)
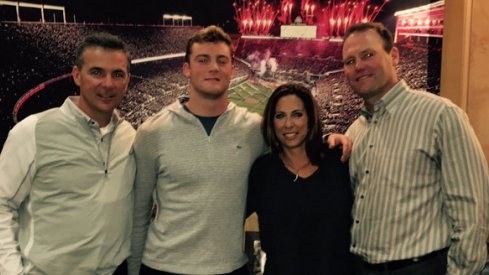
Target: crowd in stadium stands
(313,56)
(314,65)
(420,66)
(152,87)
(42,51)
(338,103)
(34,52)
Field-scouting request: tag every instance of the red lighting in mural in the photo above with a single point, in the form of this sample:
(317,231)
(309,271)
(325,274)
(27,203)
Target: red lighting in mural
(332,18)
(254,17)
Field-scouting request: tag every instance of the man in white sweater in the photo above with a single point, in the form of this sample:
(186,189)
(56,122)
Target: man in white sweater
(66,175)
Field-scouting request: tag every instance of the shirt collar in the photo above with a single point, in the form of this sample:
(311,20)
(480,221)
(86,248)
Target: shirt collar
(388,102)
(182,100)
(70,107)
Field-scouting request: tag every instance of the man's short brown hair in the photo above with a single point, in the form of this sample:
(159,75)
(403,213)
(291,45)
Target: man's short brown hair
(384,33)
(211,34)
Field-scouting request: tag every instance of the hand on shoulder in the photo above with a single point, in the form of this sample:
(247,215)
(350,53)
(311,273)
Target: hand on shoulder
(342,141)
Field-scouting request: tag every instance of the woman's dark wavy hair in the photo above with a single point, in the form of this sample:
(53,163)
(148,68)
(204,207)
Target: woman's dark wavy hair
(314,134)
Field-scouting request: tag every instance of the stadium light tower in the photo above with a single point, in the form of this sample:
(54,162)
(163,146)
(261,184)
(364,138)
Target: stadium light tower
(177,17)
(168,16)
(40,7)
(187,18)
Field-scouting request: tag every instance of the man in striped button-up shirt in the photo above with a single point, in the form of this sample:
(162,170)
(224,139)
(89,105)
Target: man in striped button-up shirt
(419,173)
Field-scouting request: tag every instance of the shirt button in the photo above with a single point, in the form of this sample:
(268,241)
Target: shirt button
(366,171)
(357,221)
(354,245)
(370,146)
(362,196)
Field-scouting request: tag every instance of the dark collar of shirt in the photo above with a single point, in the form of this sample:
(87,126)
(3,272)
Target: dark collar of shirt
(207,121)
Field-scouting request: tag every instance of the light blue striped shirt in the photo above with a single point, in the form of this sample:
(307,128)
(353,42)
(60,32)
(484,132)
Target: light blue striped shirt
(421,182)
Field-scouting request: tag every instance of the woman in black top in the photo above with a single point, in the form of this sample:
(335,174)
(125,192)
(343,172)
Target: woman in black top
(300,191)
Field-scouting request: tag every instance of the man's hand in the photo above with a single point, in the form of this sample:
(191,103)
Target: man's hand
(345,142)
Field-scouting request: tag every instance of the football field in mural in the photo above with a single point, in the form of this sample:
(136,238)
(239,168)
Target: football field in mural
(250,94)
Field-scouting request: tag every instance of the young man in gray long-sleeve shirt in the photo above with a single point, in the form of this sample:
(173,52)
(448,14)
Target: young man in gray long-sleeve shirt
(193,159)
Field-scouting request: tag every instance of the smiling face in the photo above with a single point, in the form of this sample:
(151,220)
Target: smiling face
(209,70)
(103,80)
(290,122)
(369,69)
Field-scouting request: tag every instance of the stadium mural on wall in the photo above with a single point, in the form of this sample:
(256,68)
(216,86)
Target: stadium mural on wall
(293,41)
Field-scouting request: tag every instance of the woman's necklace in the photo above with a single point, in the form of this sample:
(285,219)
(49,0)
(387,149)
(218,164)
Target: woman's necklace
(289,165)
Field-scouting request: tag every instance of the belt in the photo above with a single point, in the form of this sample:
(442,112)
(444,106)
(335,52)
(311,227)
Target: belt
(398,264)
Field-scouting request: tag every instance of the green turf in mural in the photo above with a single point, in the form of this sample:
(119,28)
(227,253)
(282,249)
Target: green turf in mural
(253,96)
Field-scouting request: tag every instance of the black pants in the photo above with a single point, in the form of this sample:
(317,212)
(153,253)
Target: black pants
(149,271)
(433,265)
(121,269)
